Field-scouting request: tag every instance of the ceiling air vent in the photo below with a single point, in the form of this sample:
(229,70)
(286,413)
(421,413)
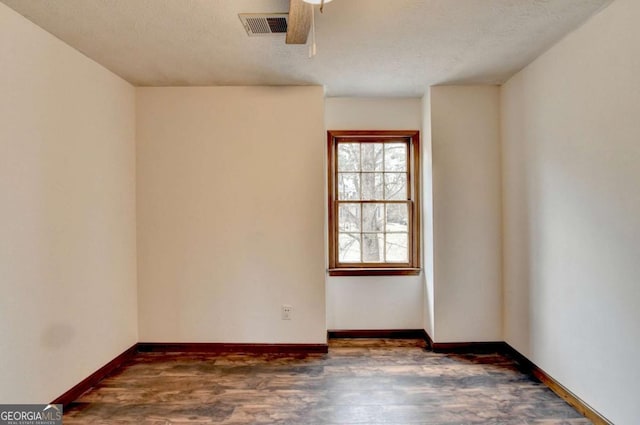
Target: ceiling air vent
(260,24)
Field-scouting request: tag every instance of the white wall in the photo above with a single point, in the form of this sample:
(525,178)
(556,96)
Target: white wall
(466,218)
(374,302)
(571,141)
(230,213)
(67,214)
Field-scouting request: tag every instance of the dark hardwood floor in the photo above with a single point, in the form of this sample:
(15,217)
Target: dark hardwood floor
(360,381)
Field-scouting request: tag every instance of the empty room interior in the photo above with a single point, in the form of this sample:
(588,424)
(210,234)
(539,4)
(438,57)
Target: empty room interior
(321,212)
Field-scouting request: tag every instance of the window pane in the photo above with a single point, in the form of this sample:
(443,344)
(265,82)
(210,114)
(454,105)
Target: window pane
(372,156)
(395,186)
(397,218)
(373,246)
(372,186)
(349,247)
(348,186)
(349,217)
(395,157)
(372,217)
(349,157)
(397,248)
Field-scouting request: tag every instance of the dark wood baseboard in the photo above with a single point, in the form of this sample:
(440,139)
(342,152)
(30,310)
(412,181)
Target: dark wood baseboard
(377,333)
(215,347)
(468,347)
(427,339)
(97,376)
(463,347)
(527,366)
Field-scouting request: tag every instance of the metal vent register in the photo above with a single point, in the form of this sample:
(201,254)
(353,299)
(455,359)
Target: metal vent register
(260,24)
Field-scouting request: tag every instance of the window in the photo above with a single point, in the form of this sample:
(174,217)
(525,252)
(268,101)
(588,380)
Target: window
(374,208)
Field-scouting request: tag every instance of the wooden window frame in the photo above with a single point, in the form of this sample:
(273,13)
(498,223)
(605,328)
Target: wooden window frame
(413,182)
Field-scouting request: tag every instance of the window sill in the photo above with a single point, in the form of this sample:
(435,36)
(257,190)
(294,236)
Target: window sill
(361,271)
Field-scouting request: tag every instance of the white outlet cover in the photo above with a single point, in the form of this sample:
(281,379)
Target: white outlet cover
(287,312)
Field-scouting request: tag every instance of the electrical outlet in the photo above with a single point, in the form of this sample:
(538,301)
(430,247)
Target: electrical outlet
(287,312)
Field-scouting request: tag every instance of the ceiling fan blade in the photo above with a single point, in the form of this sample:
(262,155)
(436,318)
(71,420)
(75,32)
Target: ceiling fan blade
(299,22)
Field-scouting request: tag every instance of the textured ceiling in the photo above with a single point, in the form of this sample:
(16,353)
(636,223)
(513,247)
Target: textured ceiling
(365,47)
